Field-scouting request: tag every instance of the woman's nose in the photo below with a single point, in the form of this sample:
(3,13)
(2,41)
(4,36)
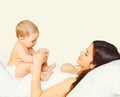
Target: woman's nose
(82,53)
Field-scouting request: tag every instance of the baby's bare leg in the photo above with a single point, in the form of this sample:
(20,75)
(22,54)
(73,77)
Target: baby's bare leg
(45,76)
(23,69)
(46,67)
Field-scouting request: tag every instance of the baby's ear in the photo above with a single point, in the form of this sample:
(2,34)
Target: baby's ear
(21,38)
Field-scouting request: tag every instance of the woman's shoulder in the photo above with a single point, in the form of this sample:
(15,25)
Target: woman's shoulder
(64,86)
(69,81)
(67,84)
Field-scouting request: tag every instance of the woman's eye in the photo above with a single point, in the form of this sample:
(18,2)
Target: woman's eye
(85,54)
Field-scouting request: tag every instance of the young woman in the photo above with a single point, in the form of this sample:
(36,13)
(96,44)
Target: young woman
(97,54)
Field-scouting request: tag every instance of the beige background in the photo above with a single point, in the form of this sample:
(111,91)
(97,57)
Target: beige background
(66,26)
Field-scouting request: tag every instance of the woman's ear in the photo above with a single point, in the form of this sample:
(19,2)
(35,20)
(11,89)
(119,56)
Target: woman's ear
(92,66)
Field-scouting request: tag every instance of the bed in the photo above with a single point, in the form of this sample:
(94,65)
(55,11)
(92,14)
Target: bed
(103,81)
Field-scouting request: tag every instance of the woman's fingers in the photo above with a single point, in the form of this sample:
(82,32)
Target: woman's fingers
(40,58)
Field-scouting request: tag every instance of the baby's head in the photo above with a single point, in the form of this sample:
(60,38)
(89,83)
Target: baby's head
(27,32)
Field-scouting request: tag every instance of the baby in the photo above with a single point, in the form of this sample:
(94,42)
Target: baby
(21,59)
(69,68)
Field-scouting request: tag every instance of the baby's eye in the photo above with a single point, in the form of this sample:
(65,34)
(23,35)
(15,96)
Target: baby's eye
(33,40)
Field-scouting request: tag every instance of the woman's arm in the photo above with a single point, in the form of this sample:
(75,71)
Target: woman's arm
(36,86)
(39,59)
(58,90)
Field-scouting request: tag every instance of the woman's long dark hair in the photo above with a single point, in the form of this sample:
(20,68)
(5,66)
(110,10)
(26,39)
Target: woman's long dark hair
(103,52)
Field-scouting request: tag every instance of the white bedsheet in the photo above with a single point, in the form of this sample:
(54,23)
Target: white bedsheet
(11,87)
(57,76)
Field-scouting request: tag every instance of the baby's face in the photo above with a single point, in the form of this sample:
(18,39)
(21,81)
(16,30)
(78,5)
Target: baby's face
(31,40)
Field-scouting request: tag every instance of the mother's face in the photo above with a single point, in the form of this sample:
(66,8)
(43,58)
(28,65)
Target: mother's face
(85,60)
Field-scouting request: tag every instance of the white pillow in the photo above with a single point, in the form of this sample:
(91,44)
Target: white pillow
(104,81)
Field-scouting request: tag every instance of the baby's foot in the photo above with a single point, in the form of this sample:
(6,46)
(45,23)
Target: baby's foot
(47,76)
(51,67)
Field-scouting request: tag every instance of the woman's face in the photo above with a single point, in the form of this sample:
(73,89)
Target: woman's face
(86,58)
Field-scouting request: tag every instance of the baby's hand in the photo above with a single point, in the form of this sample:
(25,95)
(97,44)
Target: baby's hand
(44,50)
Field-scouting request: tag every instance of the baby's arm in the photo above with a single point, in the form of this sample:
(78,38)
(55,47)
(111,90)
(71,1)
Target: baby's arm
(32,51)
(24,54)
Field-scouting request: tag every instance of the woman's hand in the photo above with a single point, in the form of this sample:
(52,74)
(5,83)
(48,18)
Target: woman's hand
(39,58)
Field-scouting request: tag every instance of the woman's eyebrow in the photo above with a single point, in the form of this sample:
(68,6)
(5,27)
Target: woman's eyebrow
(87,51)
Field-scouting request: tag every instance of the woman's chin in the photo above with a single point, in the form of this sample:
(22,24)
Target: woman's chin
(78,61)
